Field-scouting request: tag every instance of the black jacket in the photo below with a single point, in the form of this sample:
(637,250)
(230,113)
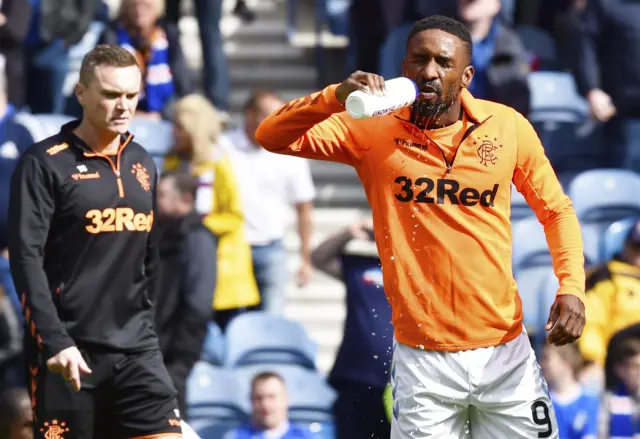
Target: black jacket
(12,37)
(66,19)
(82,254)
(186,281)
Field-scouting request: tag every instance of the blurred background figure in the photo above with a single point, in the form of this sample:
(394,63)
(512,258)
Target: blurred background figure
(156,45)
(15,16)
(613,298)
(186,277)
(576,410)
(499,58)
(16,418)
(608,74)
(198,149)
(214,60)
(55,26)
(361,370)
(620,403)
(269,185)
(269,406)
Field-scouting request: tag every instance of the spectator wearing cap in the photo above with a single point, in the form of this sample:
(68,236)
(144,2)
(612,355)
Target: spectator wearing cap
(613,298)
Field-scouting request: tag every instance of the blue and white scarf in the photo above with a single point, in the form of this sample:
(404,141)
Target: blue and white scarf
(622,410)
(158,81)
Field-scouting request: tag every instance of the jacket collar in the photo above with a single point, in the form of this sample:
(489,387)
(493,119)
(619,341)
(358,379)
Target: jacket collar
(67,131)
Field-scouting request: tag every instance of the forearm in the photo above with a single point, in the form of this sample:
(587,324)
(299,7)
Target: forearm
(326,256)
(305,229)
(565,244)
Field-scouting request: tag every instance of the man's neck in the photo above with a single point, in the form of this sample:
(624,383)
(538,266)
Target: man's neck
(480,29)
(100,143)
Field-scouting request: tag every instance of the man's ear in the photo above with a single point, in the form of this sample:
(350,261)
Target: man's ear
(80,89)
(467,76)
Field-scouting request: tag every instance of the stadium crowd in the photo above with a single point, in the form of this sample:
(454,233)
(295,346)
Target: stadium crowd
(568,65)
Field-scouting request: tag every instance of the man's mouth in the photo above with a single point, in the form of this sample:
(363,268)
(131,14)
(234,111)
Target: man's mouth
(428,92)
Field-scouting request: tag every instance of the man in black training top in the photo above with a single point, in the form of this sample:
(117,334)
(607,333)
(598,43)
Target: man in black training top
(81,213)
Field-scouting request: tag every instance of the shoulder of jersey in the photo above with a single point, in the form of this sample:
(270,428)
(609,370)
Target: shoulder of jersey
(49,147)
(496,108)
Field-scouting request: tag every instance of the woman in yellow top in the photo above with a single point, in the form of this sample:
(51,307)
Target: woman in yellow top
(197,126)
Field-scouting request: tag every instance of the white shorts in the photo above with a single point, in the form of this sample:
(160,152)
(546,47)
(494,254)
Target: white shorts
(487,393)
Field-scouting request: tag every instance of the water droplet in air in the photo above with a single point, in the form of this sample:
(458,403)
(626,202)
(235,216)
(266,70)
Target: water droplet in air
(375,357)
(421,347)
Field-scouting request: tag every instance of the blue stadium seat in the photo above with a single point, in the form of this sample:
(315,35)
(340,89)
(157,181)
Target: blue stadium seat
(216,394)
(614,236)
(601,197)
(531,266)
(213,430)
(561,118)
(541,44)
(49,124)
(155,136)
(213,349)
(260,337)
(392,52)
(311,398)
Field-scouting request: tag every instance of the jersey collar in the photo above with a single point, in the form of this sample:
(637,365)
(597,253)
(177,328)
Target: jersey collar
(67,130)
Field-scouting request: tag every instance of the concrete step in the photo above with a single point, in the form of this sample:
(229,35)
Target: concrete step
(260,31)
(325,172)
(274,76)
(272,52)
(239,96)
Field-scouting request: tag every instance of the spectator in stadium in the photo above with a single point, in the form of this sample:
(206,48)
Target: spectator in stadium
(14,139)
(15,16)
(15,414)
(608,74)
(613,298)
(186,277)
(361,370)
(11,358)
(499,57)
(576,410)
(156,45)
(269,419)
(197,148)
(214,59)
(269,184)
(620,403)
(55,26)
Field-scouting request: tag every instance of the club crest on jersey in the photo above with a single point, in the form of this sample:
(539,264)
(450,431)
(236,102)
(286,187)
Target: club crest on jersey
(141,175)
(487,150)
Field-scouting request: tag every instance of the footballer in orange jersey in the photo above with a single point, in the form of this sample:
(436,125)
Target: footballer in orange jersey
(438,177)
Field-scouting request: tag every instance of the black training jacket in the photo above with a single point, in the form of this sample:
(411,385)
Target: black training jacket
(80,244)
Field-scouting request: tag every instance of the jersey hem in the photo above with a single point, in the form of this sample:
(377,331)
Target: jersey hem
(460,347)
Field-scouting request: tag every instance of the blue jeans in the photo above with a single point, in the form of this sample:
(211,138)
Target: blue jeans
(622,149)
(270,271)
(46,73)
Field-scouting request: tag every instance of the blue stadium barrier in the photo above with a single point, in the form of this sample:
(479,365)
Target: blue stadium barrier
(260,337)
(614,237)
(214,346)
(601,197)
(311,398)
(216,394)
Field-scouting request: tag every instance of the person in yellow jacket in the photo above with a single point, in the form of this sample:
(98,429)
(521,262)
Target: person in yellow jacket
(613,298)
(197,126)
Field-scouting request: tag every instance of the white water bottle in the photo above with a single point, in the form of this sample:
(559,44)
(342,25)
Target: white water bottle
(401,92)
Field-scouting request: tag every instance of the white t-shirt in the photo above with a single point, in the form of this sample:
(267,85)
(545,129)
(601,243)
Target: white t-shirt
(269,185)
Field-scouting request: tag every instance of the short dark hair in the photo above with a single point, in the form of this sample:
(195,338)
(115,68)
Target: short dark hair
(257,95)
(446,24)
(184,182)
(11,401)
(263,376)
(105,55)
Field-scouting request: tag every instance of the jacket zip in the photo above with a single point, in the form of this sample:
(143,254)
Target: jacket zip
(466,134)
(114,166)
